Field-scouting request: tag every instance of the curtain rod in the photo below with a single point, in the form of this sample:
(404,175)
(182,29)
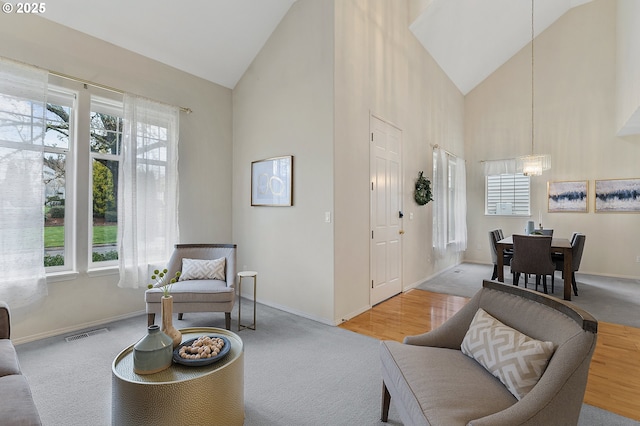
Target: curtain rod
(448,152)
(101,86)
(500,159)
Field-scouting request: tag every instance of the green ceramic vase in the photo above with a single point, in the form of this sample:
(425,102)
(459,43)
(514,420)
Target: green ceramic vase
(152,353)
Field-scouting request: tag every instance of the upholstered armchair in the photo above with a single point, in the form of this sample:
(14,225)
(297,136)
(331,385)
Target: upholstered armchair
(531,369)
(207,286)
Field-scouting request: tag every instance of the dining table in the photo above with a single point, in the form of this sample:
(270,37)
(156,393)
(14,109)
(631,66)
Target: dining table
(558,245)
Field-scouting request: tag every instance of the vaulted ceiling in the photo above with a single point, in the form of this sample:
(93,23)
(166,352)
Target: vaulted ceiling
(218,39)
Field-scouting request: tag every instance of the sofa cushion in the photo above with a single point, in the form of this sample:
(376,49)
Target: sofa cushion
(8,358)
(17,406)
(194,291)
(440,386)
(203,269)
(514,358)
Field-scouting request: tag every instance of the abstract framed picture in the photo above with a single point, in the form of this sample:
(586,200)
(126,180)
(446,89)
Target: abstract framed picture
(569,196)
(617,196)
(272,182)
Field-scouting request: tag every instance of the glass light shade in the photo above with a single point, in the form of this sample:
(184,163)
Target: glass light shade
(533,165)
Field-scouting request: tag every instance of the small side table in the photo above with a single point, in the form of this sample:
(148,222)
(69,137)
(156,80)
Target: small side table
(241,275)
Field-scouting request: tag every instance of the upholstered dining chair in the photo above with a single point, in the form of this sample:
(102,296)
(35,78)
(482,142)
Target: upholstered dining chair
(532,255)
(577,247)
(495,236)
(206,283)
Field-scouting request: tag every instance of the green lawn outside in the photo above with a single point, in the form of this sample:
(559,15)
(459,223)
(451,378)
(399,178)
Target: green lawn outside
(54,235)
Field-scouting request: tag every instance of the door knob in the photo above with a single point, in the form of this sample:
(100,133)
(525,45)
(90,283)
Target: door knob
(401,232)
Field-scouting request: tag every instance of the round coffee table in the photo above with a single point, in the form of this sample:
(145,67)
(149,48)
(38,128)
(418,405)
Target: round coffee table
(206,395)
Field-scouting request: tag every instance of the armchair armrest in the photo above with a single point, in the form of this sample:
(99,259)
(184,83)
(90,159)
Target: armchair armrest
(5,321)
(450,334)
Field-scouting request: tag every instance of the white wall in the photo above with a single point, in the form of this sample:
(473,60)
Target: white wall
(381,69)
(287,103)
(628,62)
(575,122)
(204,164)
(283,105)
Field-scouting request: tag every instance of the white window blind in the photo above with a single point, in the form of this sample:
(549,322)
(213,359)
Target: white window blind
(508,195)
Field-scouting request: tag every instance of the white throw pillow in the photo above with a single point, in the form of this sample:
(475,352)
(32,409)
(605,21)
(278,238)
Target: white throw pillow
(203,269)
(514,358)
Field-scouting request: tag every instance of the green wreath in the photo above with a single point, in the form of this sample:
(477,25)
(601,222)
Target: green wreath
(422,193)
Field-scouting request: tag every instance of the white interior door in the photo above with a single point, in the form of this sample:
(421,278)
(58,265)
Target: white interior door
(386,220)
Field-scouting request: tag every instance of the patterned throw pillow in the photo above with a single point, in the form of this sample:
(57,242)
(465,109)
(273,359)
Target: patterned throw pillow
(203,269)
(514,358)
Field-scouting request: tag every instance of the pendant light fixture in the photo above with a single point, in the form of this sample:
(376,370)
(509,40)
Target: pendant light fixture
(533,164)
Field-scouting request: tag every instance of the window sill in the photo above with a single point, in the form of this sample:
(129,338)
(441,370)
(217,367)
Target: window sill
(100,272)
(53,277)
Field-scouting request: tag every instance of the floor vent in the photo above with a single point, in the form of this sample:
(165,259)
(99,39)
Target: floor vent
(86,334)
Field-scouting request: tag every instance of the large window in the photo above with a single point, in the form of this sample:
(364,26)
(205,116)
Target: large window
(83,143)
(62,167)
(508,195)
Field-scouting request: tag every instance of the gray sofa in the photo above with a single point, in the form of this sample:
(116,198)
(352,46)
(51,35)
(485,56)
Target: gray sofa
(16,405)
(432,382)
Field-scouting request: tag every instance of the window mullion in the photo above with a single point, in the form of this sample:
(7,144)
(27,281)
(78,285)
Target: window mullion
(82,166)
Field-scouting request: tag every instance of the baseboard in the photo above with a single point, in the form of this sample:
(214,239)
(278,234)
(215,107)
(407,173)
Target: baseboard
(75,328)
(432,276)
(352,315)
(295,312)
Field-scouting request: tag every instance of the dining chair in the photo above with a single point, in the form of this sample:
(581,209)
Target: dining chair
(500,236)
(548,232)
(532,255)
(494,237)
(577,247)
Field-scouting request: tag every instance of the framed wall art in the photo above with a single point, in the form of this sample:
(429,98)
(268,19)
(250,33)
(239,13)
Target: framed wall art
(568,196)
(272,182)
(618,196)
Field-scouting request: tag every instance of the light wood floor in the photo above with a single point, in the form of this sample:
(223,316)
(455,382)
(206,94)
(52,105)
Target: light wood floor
(614,375)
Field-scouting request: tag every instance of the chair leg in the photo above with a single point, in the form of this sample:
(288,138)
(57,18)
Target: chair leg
(553,282)
(574,284)
(180,315)
(227,320)
(516,278)
(537,281)
(151,318)
(544,284)
(495,272)
(386,400)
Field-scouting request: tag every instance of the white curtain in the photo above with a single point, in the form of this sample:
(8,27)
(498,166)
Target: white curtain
(440,184)
(23,92)
(460,203)
(148,201)
(450,203)
(499,167)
